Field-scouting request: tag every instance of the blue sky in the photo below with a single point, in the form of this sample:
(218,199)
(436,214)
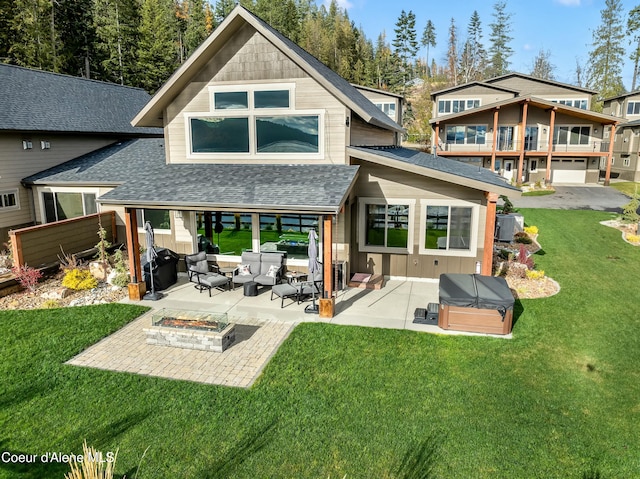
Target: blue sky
(564,27)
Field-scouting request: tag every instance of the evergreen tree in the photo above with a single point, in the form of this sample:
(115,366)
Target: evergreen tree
(34,37)
(499,50)
(77,36)
(281,15)
(633,30)
(428,40)
(116,25)
(604,72)
(7,13)
(452,53)
(474,56)
(405,43)
(196,29)
(157,52)
(542,66)
(223,8)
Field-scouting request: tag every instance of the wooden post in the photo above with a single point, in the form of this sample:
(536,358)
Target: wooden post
(137,287)
(490,226)
(523,127)
(16,249)
(327,302)
(494,145)
(607,174)
(435,145)
(552,127)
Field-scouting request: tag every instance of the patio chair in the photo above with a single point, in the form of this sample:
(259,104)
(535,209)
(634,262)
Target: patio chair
(247,270)
(200,274)
(271,269)
(311,288)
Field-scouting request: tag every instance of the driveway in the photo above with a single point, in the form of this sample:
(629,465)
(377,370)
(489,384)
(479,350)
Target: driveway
(588,197)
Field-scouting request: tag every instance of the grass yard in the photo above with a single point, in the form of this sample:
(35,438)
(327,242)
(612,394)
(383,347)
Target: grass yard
(626,187)
(559,400)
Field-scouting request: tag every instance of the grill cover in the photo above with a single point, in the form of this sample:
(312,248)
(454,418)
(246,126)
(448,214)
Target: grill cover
(475,291)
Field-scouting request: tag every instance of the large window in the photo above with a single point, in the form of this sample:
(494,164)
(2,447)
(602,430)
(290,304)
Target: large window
(466,135)
(531,138)
(571,135)
(456,106)
(448,228)
(505,138)
(389,108)
(9,200)
(159,219)
(386,225)
(224,233)
(288,233)
(65,205)
(576,103)
(633,108)
(258,120)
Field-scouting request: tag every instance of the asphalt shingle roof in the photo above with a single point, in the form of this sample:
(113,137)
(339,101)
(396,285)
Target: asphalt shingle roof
(34,100)
(439,164)
(139,167)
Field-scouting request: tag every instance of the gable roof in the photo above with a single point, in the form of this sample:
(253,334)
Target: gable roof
(541,80)
(34,100)
(539,102)
(320,189)
(472,84)
(151,114)
(624,95)
(434,166)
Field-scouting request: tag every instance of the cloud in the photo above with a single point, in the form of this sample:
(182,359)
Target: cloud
(569,3)
(527,47)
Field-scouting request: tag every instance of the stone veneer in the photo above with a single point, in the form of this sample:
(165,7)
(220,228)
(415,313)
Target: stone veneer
(191,339)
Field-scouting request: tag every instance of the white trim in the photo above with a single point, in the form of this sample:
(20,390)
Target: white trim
(249,89)
(465,126)
(475,213)
(362,227)
(560,101)
(65,189)
(570,126)
(161,231)
(15,193)
(451,100)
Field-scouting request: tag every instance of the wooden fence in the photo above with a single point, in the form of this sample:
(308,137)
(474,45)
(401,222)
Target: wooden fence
(41,245)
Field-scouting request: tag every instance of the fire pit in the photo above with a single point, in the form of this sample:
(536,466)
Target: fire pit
(191,330)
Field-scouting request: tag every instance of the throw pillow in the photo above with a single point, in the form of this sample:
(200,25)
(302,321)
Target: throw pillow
(244,269)
(273,271)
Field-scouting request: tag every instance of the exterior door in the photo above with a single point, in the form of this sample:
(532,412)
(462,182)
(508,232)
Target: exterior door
(508,172)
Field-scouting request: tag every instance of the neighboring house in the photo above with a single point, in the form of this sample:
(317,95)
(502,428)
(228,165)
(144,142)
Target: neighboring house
(526,129)
(47,119)
(625,164)
(261,137)
(390,103)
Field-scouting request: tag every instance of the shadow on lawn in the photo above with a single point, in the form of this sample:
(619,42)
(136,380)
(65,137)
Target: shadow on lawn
(518,309)
(35,469)
(420,459)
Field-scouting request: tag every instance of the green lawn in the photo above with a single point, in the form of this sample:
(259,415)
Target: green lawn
(559,400)
(628,187)
(539,193)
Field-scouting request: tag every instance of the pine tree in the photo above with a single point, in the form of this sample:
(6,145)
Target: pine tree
(196,29)
(633,30)
(604,72)
(428,40)
(223,8)
(7,13)
(499,50)
(542,66)
(452,53)
(474,56)
(405,44)
(34,37)
(157,52)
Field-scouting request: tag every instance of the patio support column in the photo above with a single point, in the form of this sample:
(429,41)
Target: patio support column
(327,302)
(523,127)
(552,127)
(494,143)
(437,139)
(137,286)
(607,174)
(489,229)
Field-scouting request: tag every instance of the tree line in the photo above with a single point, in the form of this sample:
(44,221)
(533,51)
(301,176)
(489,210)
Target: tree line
(141,42)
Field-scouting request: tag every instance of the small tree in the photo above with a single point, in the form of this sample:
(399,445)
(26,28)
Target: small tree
(103,244)
(630,210)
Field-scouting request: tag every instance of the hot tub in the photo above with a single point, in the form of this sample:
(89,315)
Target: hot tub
(475,303)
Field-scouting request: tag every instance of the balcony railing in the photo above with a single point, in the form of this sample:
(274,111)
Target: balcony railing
(529,145)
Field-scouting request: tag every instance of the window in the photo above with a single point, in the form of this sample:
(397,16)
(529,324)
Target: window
(533,166)
(234,237)
(288,233)
(386,225)
(260,120)
(63,205)
(469,135)
(531,138)
(626,162)
(388,108)
(571,135)
(505,138)
(159,219)
(576,103)
(9,200)
(456,106)
(633,108)
(448,227)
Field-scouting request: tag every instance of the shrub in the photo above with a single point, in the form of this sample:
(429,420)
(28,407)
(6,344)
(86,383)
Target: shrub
(27,276)
(633,238)
(79,279)
(522,238)
(50,304)
(524,258)
(121,279)
(531,230)
(507,206)
(533,274)
(94,464)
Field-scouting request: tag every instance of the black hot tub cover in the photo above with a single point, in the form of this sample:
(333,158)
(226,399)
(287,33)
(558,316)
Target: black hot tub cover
(475,291)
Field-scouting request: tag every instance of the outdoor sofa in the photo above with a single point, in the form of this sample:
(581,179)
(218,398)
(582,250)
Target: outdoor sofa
(266,269)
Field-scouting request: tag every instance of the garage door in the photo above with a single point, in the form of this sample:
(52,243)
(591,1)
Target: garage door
(569,171)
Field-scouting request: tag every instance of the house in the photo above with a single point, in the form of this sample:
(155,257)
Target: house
(47,119)
(263,142)
(526,129)
(390,103)
(624,163)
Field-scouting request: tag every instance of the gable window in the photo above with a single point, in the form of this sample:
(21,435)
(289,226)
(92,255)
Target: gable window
(466,135)
(448,227)
(259,120)
(9,200)
(633,108)
(456,106)
(389,108)
(386,225)
(571,135)
(63,205)
(576,103)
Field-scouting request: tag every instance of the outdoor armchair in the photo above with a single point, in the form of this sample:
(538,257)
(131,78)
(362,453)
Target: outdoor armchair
(200,274)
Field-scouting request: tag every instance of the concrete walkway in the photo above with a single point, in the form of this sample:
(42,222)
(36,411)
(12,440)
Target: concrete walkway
(576,197)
